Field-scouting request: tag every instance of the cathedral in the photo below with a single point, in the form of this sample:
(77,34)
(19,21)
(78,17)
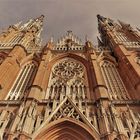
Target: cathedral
(70,89)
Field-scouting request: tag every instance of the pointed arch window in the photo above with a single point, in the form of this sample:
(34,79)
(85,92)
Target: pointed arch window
(22,81)
(129,43)
(67,79)
(113,81)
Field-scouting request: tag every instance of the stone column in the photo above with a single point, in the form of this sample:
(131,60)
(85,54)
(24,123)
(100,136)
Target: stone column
(100,87)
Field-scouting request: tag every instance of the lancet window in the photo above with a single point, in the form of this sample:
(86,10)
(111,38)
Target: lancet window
(122,38)
(23,79)
(113,81)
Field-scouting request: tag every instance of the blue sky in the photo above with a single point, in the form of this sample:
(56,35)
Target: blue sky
(62,15)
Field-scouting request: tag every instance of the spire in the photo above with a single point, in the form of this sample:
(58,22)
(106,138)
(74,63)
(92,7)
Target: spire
(34,27)
(37,22)
(106,21)
(101,18)
(40,18)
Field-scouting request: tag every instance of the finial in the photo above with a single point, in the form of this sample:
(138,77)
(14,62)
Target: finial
(98,16)
(37,22)
(40,18)
(101,18)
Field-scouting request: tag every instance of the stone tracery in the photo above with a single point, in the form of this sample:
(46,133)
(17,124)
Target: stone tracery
(68,69)
(67,78)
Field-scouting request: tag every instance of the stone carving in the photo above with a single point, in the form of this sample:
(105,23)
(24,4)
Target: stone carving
(67,69)
(67,110)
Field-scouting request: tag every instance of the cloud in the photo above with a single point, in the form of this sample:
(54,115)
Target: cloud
(62,15)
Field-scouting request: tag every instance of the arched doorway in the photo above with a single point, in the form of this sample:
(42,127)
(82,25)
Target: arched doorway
(65,129)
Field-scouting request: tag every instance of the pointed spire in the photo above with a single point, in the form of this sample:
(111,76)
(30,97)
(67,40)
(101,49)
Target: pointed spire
(101,18)
(34,26)
(37,22)
(40,18)
(107,21)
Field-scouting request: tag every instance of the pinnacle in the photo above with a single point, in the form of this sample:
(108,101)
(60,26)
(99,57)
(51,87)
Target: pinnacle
(40,18)
(101,17)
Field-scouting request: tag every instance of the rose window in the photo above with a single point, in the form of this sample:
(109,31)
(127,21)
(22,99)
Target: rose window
(68,69)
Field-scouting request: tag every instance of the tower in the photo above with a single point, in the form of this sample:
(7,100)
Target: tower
(67,89)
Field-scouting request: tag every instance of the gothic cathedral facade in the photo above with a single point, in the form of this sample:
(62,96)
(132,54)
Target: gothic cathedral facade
(70,90)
